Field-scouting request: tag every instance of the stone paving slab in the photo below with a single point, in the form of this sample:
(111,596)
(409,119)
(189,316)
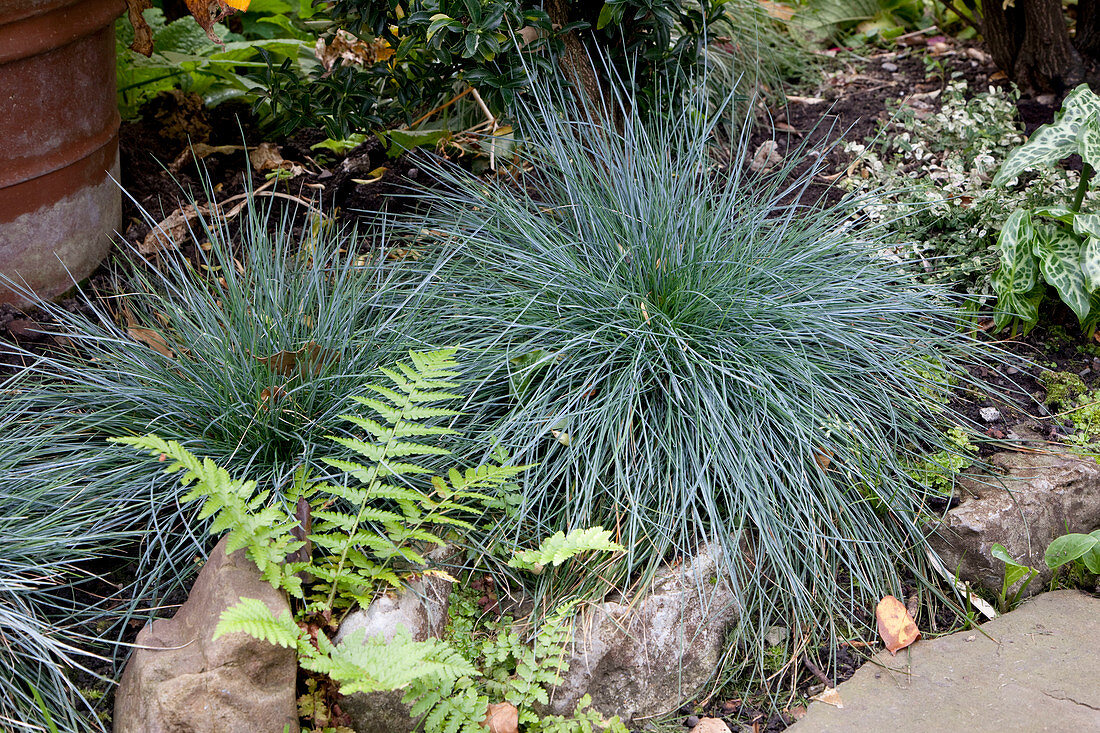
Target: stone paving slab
(1040,672)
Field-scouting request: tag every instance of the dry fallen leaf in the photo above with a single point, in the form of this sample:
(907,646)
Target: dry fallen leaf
(266,157)
(173,230)
(711,725)
(895,625)
(352,50)
(823,458)
(208,12)
(502,717)
(311,356)
(766,156)
(143,34)
(198,151)
(152,339)
(829,696)
(778,11)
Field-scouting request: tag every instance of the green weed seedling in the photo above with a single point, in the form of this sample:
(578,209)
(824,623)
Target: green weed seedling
(1014,573)
(1055,245)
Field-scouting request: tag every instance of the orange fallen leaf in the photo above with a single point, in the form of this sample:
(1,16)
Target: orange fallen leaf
(823,458)
(895,625)
(502,717)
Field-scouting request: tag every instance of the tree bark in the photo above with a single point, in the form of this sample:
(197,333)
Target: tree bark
(1030,42)
(1087,38)
(1002,29)
(575,61)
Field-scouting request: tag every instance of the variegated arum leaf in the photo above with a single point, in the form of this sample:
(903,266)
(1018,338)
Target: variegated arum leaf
(1058,213)
(1088,227)
(1019,270)
(1088,142)
(1050,143)
(1024,307)
(1059,254)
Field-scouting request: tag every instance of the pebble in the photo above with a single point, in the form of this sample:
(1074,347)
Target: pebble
(1014,370)
(990,414)
(1084,372)
(889,66)
(1096,364)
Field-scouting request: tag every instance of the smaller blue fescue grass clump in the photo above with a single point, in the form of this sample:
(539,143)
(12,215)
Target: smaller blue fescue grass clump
(244,344)
(59,529)
(686,356)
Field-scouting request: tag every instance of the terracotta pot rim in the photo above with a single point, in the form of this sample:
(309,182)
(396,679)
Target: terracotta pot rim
(54,26)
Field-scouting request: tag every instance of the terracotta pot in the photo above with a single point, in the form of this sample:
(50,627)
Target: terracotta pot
(58,141)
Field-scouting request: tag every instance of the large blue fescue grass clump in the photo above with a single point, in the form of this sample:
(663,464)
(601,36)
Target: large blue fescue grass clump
(689,356)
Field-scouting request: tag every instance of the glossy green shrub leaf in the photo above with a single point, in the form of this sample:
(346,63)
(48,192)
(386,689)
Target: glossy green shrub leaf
(1069,547)
(1059,253)
(1050,143)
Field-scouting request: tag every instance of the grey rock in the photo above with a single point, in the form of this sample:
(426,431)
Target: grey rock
(990,414)
(1031,670)
(422,610)
(1041,496)
(645,658)
(181,680)
(890,67)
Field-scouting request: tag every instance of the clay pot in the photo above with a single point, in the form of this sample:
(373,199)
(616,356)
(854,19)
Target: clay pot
(58,141)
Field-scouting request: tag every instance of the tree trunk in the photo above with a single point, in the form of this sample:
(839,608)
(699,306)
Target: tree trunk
(1087,38)
(1030,42)
(575,62)
(1003,31)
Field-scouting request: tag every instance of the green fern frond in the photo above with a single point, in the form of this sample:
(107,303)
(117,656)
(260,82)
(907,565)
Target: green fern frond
(252,616)
(371,664)
(560,547)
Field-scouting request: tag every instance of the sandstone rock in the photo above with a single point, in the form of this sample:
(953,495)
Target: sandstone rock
(646,658)
(1041,496)
(422,609)
(181,680)
(1031,670)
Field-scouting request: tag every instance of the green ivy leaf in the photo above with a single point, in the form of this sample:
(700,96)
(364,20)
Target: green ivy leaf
(1059,253)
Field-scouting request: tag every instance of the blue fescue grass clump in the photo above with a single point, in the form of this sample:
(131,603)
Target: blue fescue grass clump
(688,356)
(243,344)
(60,528)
